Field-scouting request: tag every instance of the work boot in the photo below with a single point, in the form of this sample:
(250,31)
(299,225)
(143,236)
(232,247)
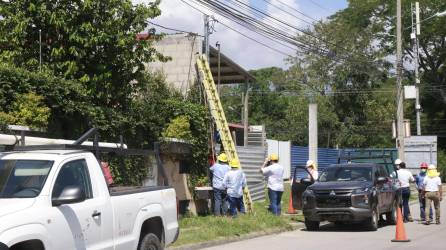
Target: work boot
(410,219)
(437,222)
(427,222)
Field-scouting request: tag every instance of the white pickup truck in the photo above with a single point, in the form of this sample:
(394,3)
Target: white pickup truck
(59,199)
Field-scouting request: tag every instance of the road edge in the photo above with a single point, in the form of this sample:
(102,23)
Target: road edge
(213,243)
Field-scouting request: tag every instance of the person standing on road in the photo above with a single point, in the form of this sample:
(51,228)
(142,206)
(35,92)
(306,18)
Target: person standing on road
(312,169)
(433,192)
(234,181)
(273,171)
(405,177)
(420,187)
(218,173)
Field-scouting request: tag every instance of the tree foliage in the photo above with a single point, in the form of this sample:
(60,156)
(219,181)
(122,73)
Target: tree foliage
(92,41)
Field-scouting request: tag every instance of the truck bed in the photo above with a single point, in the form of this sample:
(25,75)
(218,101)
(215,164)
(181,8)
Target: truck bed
(125,190)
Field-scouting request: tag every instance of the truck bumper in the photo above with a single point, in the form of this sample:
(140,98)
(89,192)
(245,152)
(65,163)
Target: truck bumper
(3,246)
(351,214)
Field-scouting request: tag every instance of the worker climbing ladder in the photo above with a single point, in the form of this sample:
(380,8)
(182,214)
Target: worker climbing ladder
(219,117)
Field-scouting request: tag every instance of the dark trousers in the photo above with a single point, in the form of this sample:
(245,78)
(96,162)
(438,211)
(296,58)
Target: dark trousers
(275,198)
(236,203)
(423,207)
(220,202)
(405,195)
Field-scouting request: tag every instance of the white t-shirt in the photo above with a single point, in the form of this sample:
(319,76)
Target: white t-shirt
(274,174)
(431,184)
(314,173)
(405,177)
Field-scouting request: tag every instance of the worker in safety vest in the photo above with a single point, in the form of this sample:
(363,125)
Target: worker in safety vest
(273,171)
(433,192)
(419,179)
(234,182)
(219,171)
(312,169)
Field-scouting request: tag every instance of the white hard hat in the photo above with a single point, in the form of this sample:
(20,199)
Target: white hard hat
(398,162)
(309,163)
(431,166)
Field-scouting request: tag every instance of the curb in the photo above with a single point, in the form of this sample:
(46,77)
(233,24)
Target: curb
(232,239)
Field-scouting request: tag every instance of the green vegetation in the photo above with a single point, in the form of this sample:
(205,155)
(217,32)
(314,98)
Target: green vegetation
(207,228)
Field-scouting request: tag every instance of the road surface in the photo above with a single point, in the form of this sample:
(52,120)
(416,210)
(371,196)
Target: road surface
(348,237)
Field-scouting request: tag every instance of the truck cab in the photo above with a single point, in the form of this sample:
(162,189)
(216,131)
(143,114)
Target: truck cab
(59,199)
(356,192)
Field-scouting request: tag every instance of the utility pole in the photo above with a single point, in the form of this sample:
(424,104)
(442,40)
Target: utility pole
(206,36)
(414,36)
(40,49)
(312,132)
(219,67)
(399,83)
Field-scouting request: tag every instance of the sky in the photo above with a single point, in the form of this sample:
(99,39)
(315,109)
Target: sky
(249,54)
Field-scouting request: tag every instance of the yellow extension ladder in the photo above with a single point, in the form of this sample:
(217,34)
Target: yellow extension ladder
(218,114)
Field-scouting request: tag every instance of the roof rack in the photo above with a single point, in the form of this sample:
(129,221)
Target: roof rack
(97,149)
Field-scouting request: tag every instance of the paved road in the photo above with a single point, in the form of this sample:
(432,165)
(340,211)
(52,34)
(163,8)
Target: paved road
(430,237)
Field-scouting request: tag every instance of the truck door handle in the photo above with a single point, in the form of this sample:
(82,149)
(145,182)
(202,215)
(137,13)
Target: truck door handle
(96,214)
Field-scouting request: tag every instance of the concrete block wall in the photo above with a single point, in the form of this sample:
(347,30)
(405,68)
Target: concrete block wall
(180,71)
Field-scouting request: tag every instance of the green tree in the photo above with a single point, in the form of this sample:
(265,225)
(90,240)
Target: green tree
(93,41)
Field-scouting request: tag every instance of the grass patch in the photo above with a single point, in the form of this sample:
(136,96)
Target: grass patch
(199,229)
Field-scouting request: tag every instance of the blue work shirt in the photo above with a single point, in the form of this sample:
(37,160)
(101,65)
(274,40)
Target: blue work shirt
(218,173)
(234,181)
(419,180)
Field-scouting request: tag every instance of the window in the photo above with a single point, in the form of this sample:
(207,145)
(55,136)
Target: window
(346,174)
(74,173)
(23,178)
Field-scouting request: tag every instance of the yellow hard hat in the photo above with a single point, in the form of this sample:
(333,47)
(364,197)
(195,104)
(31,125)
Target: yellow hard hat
(273,157)
(234,163)
(222,157)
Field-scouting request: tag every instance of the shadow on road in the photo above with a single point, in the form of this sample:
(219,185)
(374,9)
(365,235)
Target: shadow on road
(346,227)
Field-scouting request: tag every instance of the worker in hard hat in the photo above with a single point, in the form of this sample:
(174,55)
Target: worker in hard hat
(420,186)
(273,172)
(312,169)
(218,171)
(235,181)
(405,177)
(433,192)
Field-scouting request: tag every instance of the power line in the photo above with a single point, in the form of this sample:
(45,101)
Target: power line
(318,5)
(244,35)
(173,29)
(291,14)
(252,39)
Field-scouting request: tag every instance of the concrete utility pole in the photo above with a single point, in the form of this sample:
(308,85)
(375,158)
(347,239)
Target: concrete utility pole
(206,36)
(219,67)
(415,34)
(399,88)
(312,132)
(245,116)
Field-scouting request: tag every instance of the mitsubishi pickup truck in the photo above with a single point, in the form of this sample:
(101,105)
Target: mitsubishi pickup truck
(59,199)
(355,192)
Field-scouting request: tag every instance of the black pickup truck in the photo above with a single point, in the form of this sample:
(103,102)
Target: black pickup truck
(355,192)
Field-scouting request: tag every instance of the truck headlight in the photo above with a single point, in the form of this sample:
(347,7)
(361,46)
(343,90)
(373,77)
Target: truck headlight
(361,191)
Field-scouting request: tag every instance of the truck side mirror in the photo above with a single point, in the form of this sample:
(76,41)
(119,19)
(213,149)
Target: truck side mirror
(69,195)
(307,181)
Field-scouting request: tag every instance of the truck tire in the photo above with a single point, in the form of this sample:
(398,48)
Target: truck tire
(372,223)
(312,225)
(150,242)
(391,216)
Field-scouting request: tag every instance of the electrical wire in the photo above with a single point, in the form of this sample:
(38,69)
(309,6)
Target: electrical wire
(173,29)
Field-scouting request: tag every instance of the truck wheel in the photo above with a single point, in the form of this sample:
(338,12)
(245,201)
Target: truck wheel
(150,242)
(312,225)
(372,223)
(391,216)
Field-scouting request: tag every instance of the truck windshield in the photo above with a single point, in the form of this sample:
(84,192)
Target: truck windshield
(346,174)
(23,178)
